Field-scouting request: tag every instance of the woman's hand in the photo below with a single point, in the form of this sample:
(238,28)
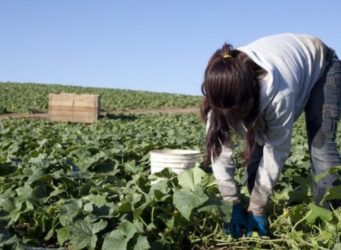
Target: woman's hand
(257,223)
(237,223)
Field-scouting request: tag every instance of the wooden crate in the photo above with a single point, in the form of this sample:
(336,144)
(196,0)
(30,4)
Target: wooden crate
(74,108)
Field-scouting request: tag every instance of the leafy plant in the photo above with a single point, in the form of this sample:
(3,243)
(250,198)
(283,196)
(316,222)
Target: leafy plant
(89,187)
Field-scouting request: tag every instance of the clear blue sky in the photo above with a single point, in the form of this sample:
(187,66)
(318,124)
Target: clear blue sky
(149,45)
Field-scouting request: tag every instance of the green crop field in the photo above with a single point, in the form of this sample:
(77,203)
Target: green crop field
(77,186)
(30,97)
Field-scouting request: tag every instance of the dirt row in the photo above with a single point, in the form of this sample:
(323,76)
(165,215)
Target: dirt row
(103,114)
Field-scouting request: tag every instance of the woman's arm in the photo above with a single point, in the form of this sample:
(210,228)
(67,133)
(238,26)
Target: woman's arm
(223,170)
(279,116)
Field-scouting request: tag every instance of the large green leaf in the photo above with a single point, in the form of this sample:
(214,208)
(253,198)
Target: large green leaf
(142,243)
(87,160)
(119,238)
(160,191)
(219,207)
(186,199)
(6,203)
(63,235)
(24,193)
(298,212)
(337,246)
(333,193)
(83,233)
(192,177)
(68,212)
(318,212)
(98,200)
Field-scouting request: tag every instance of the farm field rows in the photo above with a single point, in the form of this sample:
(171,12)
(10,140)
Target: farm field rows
(79,186)
(33,98)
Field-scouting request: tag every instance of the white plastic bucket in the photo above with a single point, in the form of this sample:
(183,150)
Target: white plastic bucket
(178,160)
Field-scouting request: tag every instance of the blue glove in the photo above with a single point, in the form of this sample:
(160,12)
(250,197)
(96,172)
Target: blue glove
(238,221)
(257,223)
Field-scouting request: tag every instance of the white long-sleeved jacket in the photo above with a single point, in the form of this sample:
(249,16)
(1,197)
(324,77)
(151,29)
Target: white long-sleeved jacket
(293,63)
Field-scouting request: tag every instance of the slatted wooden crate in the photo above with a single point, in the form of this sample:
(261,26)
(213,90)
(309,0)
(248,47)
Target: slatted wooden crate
(74,108)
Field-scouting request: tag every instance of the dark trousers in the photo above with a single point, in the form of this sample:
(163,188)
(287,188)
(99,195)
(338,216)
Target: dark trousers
(322,113)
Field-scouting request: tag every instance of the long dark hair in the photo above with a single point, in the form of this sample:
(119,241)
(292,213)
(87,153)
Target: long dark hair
(231,96)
